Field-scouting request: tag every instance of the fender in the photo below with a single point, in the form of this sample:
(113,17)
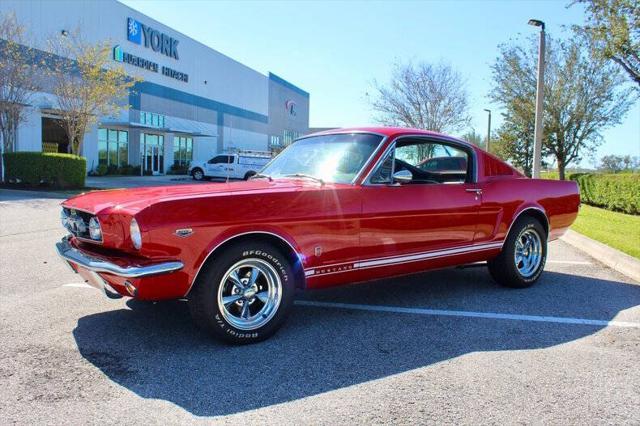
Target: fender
(232,234)
(524,208)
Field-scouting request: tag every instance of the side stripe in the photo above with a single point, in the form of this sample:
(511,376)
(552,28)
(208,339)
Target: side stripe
(394,260)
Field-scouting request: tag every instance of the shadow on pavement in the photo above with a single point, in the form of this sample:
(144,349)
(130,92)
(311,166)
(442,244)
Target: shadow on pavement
(156,352)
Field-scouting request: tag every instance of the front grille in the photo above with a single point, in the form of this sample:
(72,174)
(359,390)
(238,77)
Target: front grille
(77,222)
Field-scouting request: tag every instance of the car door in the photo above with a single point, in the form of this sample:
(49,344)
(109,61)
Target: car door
(432,214)
(218,165)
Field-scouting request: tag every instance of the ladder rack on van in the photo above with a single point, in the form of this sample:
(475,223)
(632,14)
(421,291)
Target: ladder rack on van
(247,152)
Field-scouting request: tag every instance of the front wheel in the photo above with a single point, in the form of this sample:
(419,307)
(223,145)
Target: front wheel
(245,294)
(523,255)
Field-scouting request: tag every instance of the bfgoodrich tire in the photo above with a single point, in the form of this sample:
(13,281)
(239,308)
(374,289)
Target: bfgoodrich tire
(523,255)
(244,294)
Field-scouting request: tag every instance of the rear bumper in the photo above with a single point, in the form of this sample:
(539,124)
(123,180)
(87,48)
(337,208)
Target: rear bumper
(91,268)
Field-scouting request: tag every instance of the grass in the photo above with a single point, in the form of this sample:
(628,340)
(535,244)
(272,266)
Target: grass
(618,230)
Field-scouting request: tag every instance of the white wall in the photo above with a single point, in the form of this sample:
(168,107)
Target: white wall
(243,139)
(228,81)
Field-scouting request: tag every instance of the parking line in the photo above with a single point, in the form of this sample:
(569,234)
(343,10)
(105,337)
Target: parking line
(78,285)
(468,314)
(570,262)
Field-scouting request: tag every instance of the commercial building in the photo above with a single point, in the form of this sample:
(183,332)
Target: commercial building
(192,102)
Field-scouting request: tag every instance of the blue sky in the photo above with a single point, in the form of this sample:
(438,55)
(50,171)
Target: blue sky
(335,50)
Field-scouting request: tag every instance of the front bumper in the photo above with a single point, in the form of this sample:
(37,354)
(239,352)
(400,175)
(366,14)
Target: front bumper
(90,268)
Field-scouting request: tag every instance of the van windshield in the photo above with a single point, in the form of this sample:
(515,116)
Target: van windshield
(332,158)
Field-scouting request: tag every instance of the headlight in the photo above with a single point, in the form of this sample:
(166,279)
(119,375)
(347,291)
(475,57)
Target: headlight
(95,232)
(136,238)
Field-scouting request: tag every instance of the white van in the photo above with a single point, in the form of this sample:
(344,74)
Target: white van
(236,165)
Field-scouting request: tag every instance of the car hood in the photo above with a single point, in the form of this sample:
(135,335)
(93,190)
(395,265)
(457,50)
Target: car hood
(136,199)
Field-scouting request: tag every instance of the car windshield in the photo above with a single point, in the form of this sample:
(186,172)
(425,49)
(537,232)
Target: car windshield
(331,158)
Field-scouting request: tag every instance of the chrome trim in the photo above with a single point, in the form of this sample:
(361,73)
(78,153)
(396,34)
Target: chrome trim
(524,210)
(443,139)
(408,258)
(370,159)
(195,277)
(73,255)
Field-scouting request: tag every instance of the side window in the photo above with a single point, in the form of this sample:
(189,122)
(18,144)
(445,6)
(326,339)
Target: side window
(432,162)
(230,159)
(219,159)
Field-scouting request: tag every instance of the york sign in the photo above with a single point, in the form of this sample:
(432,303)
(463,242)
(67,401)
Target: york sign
(156,40)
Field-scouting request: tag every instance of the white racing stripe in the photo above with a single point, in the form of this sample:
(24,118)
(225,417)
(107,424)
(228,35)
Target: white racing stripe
(468,314)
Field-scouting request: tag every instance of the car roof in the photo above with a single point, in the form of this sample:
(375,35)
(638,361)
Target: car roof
(388,132)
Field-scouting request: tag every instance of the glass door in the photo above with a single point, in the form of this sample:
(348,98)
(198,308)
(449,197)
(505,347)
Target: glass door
(152,147)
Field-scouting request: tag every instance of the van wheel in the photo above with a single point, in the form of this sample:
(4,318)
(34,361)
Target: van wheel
(523,255)
(245,294)
(248,175)
(197,174)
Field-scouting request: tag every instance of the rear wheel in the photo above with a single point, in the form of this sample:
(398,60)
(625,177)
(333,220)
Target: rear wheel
(197,174)
(523,255)
(245,294)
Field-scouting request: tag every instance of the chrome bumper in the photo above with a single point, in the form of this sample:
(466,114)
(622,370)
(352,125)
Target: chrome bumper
(73,255)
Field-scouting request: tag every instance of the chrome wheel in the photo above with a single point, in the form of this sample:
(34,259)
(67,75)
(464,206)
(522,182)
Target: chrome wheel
(528,253)
(249,294)
(198,175)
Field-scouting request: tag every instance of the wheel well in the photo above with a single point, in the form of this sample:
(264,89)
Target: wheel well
(536,214)
(196,168)
(272,239)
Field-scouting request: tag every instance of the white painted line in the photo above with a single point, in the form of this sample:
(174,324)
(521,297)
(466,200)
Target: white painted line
(570,262)
(77,285)
(468,314)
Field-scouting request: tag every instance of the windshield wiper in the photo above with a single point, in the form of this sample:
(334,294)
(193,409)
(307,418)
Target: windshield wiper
(306,176)
(261,175)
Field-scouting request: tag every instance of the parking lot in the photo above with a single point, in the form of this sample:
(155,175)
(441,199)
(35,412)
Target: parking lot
(445,346)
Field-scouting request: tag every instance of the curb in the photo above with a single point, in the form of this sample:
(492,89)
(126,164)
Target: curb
(615,259)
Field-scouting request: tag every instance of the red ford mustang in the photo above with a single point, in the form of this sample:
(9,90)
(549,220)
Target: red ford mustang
(333,208)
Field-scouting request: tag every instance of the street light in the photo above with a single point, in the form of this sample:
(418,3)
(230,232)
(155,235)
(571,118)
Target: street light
(488,129)
(537,143)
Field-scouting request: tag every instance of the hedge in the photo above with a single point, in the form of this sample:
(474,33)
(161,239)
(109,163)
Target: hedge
(618,192)
(45,169)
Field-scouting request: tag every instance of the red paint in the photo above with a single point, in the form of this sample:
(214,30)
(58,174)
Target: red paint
(351,223)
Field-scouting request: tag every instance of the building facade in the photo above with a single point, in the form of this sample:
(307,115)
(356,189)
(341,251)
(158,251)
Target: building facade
(192,102)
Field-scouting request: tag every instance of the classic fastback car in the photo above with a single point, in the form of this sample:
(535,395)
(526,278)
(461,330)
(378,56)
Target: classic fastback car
(333,208)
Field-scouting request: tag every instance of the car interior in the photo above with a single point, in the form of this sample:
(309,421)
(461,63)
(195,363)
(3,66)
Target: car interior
(429,162)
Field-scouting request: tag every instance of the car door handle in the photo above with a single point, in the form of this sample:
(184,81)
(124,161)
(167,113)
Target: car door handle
(478,191)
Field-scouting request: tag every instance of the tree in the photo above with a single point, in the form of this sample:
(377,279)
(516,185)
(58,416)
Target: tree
(583,94)
(426,96)
(19,79)
(475,138)
(613,27)
(617,163)
(86,86)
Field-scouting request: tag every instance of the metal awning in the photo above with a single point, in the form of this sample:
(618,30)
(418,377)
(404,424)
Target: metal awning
(133,125)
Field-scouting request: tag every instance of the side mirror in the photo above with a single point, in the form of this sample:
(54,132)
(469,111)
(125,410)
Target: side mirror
(402,176)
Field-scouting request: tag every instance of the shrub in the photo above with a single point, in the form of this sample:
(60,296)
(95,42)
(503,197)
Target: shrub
(46,169)
(619,192)
(176,169)
(101,170)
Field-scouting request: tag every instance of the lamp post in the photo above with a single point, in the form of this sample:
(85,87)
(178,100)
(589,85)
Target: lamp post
(537,143)
(488,128)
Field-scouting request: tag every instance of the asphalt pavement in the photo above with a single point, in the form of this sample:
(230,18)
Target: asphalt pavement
(447,346)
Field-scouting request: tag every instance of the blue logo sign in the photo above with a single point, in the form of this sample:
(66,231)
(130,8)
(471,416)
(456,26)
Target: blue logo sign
(134,31)
(156,40)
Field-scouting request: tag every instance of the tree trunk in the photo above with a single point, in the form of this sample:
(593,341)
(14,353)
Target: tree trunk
(561,166)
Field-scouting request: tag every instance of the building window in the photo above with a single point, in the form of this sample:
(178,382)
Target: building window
(274,141)
(289,136)
(182,151)
(152,119)
(113,147)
